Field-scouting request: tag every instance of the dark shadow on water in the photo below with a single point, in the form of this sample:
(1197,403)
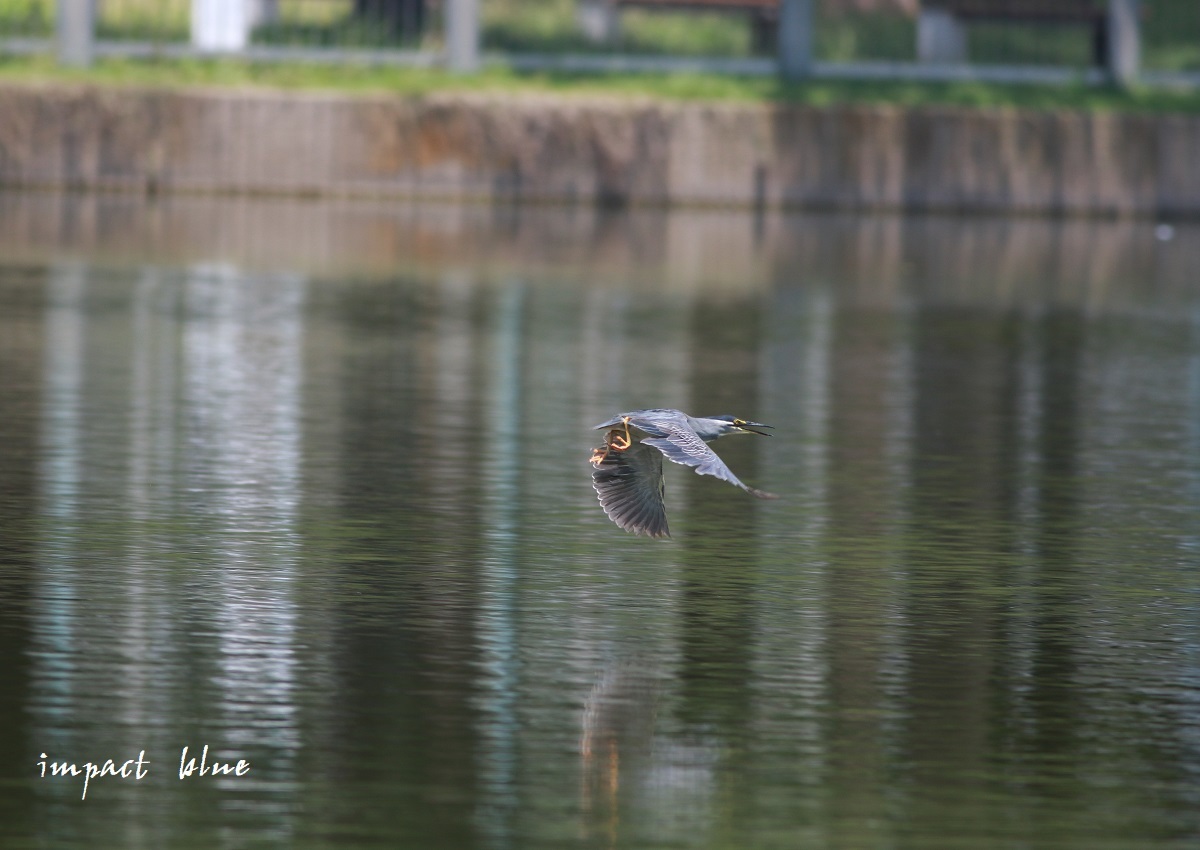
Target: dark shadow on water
(1058,583)
(23,296)
(962,515)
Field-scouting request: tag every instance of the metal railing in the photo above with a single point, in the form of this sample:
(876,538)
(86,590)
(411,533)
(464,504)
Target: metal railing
(1152,41)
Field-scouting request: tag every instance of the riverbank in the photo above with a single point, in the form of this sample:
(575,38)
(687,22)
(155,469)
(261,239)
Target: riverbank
(597,149)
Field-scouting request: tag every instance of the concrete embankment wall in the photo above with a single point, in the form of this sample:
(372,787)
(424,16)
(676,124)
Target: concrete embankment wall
(604,150)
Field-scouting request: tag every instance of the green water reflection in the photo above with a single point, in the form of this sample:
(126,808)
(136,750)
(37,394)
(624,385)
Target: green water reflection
(326,507)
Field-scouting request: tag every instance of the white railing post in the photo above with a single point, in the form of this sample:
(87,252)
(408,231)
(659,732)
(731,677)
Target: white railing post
(221,25)
(1124,41)
(462,35)
(941,37)
(795,38)
(76,32)
(599,20)
(263,12)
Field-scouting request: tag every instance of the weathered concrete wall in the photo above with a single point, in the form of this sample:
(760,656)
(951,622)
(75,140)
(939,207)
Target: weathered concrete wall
(601,150)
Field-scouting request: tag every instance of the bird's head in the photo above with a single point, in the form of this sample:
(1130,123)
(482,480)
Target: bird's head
(719,426)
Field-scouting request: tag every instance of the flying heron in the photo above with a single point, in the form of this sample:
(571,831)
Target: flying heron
(628,475)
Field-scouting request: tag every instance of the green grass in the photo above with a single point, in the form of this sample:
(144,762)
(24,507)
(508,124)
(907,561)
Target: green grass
(414,82)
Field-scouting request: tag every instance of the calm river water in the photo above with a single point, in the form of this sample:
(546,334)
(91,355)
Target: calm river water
(307,484)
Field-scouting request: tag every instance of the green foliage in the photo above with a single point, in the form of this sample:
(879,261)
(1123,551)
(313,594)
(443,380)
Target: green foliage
(348,32)
(549,26)
(26,18)
(696,34)
(857,38)
(541,26)
(1024,44)
(167,20)
(1171,35)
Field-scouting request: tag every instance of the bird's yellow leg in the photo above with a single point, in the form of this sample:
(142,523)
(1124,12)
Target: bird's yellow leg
(613,440)
(617,441)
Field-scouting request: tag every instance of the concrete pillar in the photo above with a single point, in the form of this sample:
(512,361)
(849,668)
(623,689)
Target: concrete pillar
(76,32)
(795,38)
(263,12)
(462,35)
(941,37)
(222,25)
(598,20)
(1124,41)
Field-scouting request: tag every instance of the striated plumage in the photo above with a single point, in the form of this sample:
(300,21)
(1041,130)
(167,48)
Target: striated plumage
(629,479)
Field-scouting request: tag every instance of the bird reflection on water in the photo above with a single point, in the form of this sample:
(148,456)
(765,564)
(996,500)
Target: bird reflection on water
(628,476)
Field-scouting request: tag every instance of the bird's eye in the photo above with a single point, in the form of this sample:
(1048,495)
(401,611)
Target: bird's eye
(739,422)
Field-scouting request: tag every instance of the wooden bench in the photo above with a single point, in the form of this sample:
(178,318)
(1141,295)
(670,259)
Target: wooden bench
(1090,13)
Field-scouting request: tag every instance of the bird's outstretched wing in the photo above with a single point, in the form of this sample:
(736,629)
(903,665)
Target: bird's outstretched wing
(681,445)
(630,487)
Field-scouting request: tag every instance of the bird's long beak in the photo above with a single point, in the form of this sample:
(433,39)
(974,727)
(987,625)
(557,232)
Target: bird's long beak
(753,427)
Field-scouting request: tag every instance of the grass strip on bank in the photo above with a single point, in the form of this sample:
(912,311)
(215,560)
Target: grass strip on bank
(373,79)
